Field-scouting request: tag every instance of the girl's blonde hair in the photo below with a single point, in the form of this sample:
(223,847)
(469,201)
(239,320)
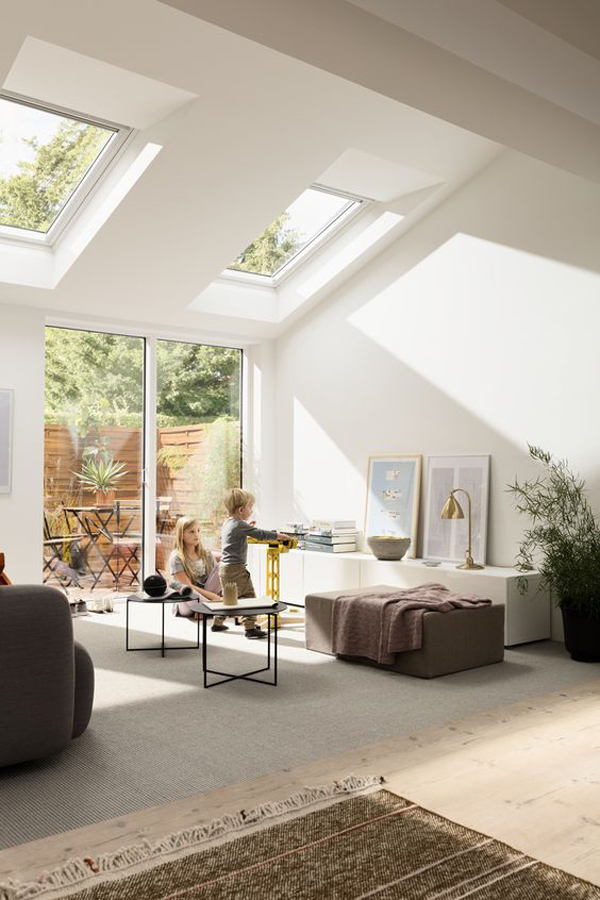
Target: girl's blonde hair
(182,525)
(235,498)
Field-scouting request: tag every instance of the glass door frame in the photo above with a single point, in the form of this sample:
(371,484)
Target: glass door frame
(93,328)
(148,481)
(149,471)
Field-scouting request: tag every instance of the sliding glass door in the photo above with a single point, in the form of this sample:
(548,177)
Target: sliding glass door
(105,395)
(93,461)
(198,438)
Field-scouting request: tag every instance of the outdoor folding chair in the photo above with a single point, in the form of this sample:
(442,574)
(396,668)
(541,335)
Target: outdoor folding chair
(124,554)
(54,564)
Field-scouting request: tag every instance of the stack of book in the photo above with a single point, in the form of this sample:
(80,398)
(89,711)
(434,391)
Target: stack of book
(335,536)
(298,529)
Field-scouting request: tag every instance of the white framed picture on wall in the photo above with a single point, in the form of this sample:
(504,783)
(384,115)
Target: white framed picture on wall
(447,539)
(6,438)
(393,492)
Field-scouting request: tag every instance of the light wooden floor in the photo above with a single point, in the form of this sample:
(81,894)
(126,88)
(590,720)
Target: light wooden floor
(527,774)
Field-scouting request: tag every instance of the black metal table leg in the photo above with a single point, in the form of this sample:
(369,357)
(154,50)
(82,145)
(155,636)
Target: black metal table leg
(163,646)
(246,676)
(204,655)
(275,653)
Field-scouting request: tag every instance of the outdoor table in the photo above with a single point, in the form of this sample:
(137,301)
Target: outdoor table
(96,522)
(269,612)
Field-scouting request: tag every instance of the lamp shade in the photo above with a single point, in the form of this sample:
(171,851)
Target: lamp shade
(452,509)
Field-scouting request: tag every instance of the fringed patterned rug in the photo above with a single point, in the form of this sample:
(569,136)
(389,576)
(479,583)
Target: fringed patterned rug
(347,840)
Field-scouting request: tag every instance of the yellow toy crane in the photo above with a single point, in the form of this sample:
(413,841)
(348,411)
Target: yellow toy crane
(274,550)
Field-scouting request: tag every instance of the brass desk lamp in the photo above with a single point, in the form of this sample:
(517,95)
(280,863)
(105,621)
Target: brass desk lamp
(453,510)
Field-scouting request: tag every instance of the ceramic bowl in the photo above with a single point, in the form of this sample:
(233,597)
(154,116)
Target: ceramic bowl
(387,547)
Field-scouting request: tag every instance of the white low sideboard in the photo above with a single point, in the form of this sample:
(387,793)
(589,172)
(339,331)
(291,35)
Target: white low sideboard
(527,616)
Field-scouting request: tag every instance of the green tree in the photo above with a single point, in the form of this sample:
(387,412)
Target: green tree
(210,478)
(95,379)
(34,196)
(197,382)
(266,254)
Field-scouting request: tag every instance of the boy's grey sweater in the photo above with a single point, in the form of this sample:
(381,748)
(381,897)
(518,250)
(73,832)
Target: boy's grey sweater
(234,540)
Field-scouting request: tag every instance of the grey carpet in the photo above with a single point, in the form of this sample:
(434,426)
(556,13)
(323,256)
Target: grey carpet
(157,736)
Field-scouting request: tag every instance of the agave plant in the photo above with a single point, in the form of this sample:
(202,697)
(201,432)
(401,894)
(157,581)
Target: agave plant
(100,473)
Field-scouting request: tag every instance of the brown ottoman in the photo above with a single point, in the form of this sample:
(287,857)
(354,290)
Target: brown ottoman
(461,639)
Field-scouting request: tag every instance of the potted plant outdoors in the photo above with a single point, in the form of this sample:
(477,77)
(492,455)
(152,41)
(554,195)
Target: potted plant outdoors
(564,541)
(100,472)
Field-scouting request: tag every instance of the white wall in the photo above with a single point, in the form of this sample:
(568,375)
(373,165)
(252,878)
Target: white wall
(259,429)
(476,332)
(22,369)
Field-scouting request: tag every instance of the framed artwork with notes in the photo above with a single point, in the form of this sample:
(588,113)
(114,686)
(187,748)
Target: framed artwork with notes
(393,490)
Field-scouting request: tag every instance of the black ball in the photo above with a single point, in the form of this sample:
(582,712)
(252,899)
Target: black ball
(155,585)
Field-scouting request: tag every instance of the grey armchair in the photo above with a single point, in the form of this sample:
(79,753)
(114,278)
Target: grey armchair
(46,678)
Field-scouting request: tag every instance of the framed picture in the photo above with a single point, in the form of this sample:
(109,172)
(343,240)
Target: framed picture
(393,489)
(6,428)
(447,539)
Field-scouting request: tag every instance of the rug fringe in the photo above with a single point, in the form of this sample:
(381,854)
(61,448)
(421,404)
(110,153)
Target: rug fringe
(76,872)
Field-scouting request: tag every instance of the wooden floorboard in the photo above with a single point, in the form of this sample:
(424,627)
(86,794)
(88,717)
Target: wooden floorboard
(527,774)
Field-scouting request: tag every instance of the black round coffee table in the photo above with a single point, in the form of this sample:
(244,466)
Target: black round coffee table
(271,612)
(167,600)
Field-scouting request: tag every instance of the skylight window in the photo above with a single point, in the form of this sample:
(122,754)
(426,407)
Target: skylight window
(45,157)
(310,218)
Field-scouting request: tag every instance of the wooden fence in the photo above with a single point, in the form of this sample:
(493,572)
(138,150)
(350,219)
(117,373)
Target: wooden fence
(177,492)
(178,484)
(64,452)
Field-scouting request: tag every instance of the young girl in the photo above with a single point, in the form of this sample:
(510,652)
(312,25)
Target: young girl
(190,564)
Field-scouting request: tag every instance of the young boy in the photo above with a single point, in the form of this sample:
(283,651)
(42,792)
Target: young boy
(234,549)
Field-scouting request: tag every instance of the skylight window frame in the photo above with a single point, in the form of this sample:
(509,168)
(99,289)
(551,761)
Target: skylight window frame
(13,234)
(327,231)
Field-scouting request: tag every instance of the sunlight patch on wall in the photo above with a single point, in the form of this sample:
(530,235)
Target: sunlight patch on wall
(485,324)
(257,424)
(326,483)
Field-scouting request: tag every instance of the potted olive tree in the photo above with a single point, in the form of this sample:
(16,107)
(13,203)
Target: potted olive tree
(563,543)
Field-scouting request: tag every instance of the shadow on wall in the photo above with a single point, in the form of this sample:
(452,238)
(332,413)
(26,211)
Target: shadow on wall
(474,333)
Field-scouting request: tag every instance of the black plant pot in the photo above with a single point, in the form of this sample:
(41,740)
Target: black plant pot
(582,635)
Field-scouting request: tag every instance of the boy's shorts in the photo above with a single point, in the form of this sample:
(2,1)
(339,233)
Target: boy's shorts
(239,575)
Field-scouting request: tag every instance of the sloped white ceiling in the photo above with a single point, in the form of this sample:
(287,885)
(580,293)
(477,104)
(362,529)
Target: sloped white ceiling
(262,128)
(500,40)
(379,44)
(255,128)
(91,86)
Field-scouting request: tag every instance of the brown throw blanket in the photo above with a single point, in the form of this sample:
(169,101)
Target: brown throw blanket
(378,626)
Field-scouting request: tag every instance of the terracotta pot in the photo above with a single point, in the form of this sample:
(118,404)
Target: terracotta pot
(106,498)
